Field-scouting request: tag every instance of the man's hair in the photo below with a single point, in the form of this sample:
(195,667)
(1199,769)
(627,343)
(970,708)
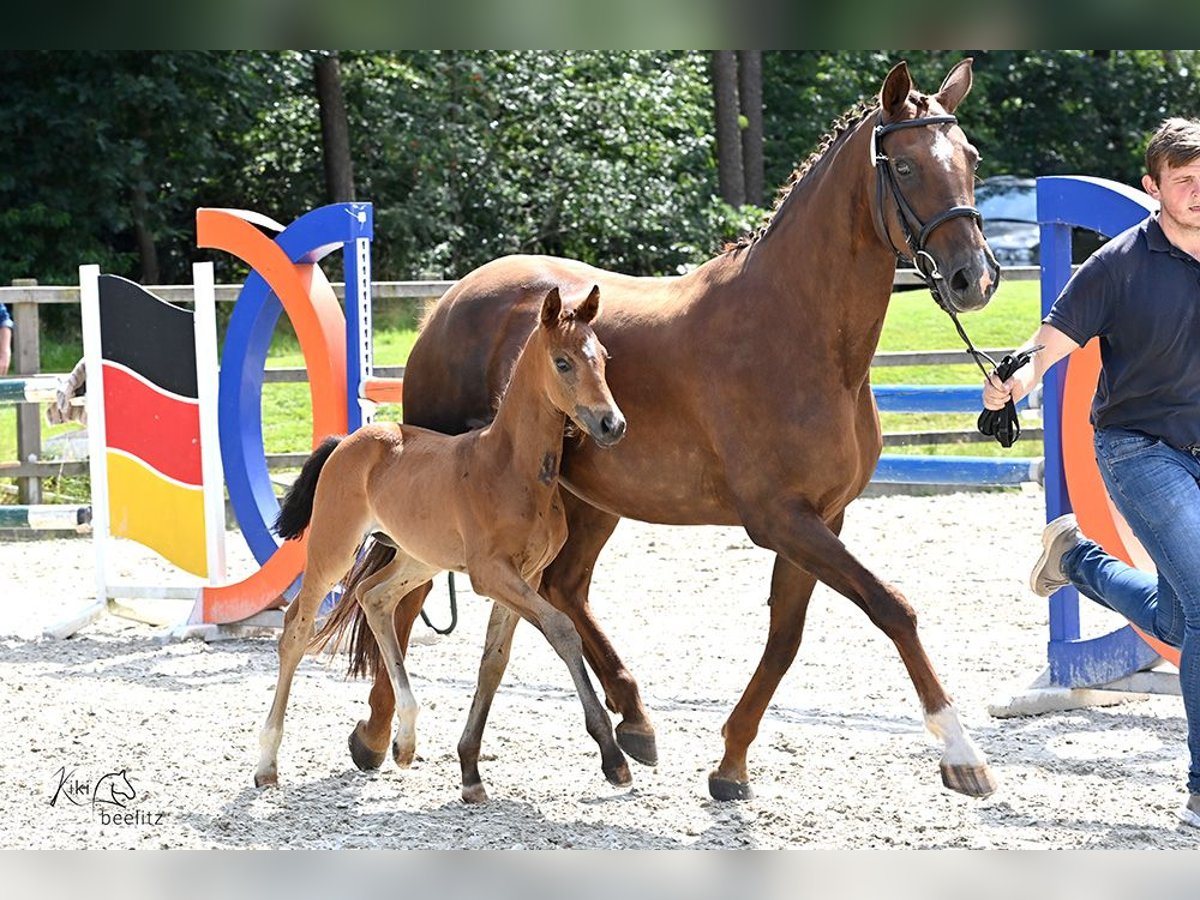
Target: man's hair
(1175,144)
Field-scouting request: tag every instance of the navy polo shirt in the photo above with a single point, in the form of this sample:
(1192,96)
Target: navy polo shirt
(1140,294)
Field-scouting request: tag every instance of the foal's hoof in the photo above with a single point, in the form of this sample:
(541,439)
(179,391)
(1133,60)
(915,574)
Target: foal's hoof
(725,789)
(974,781)
(364,757)
(404,753)
(271,779)
(618,774)
(474,794)
(641,745)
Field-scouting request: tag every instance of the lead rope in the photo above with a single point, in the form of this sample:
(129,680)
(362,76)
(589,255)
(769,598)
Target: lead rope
(1003,424)
(453,609)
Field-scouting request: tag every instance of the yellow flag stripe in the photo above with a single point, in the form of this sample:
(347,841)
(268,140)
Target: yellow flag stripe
(159,513)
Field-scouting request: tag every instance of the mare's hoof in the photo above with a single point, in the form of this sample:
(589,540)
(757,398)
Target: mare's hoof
(474,794)
(619,774)
(364,757)
(269,780)
(974,781)
(640,745)
(726,789)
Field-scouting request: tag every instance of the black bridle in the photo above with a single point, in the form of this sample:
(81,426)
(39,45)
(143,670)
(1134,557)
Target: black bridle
(916,233)
(1002,424)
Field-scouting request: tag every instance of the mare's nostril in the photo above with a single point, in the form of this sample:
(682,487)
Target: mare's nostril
(959,282)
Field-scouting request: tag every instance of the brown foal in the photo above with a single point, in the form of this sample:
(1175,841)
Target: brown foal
(486,503)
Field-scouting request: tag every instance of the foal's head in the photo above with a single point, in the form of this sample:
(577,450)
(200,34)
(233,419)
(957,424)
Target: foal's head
(574,367)
(931,167)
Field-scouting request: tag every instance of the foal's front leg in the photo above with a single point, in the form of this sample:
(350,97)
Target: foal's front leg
(502,582)
(496,650)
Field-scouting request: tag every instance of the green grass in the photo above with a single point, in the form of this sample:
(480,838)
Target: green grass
(914,322)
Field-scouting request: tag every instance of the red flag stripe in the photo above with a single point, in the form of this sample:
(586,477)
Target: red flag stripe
(162,431)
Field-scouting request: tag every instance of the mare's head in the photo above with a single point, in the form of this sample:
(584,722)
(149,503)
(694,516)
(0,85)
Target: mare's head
(574,367)
(925,188)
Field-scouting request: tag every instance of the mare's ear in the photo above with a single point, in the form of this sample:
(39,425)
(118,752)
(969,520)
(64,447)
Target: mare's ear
(895,90)
(956,86)
(586,311)
(551,307)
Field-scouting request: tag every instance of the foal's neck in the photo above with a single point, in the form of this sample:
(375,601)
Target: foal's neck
(528,428)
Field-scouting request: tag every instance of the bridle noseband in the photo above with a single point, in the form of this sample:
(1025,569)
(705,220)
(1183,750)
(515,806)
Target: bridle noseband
(918,257)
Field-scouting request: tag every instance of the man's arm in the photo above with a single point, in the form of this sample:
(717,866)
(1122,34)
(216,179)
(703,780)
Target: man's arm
(1055,346)
(5,349)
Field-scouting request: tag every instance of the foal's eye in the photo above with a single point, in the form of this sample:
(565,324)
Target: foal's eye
(903,167)
(562,364)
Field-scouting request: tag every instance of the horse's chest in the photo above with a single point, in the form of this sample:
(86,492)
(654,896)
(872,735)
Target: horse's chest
(543,538)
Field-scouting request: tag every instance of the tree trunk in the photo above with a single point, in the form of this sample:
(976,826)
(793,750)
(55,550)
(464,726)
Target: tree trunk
(729,139)
(750,101)
(335,129)
(143,236)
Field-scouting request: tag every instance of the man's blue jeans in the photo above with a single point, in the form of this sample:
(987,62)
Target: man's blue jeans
(1156,487)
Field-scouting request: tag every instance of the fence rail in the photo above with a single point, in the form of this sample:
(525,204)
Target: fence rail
(25,297)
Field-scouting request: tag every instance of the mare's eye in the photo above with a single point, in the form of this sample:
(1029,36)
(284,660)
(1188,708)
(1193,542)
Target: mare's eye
(562,364)
(903,167)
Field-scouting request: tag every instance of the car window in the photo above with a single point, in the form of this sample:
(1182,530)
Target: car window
(1007,202)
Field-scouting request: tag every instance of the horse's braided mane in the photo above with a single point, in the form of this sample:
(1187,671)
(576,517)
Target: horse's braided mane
(844,123)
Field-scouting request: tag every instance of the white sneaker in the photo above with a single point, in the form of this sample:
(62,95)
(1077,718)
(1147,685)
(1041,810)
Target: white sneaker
(1190,814)
(1059,536)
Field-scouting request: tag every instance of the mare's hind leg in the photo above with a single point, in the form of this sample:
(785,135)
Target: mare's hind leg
(378,600)
(370,737)
(504,584)
(565,583)
(794,531)
(501,625)
(330,555)
(791,589)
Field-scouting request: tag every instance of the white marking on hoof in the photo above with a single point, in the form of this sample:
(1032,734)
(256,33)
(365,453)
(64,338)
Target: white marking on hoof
(960,749)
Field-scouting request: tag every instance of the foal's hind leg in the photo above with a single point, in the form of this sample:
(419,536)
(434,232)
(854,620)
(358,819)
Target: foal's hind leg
(798,534)
(378,600)
(327,561)
(370,737)
(496,649)
(505,585)
(566,583)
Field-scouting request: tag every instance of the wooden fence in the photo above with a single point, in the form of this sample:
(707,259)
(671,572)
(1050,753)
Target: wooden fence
(25,296)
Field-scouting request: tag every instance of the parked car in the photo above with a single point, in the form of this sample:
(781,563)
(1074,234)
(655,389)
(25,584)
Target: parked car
(1008,205)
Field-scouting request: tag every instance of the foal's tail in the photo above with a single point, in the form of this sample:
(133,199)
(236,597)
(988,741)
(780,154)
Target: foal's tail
(296,511)
(348,616)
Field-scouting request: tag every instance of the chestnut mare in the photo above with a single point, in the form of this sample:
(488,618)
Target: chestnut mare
(747,385)
(487,503)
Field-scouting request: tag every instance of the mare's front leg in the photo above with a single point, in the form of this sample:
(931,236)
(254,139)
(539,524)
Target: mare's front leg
(496,649)
(500,581)
(565,583)
(794,531)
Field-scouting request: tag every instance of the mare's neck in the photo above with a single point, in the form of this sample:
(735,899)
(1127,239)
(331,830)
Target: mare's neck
(528,428)
(825,258)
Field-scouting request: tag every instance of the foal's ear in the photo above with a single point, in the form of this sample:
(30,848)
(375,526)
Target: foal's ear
(956,86)
(551,307)
(895,90)
(586,311)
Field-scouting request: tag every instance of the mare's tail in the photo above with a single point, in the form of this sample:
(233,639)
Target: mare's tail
(348,616)
(296,511)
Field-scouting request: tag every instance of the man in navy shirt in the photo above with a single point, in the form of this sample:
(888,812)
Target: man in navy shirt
(1140,294)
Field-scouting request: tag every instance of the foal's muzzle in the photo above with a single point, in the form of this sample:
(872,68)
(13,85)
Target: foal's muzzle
(604,426)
